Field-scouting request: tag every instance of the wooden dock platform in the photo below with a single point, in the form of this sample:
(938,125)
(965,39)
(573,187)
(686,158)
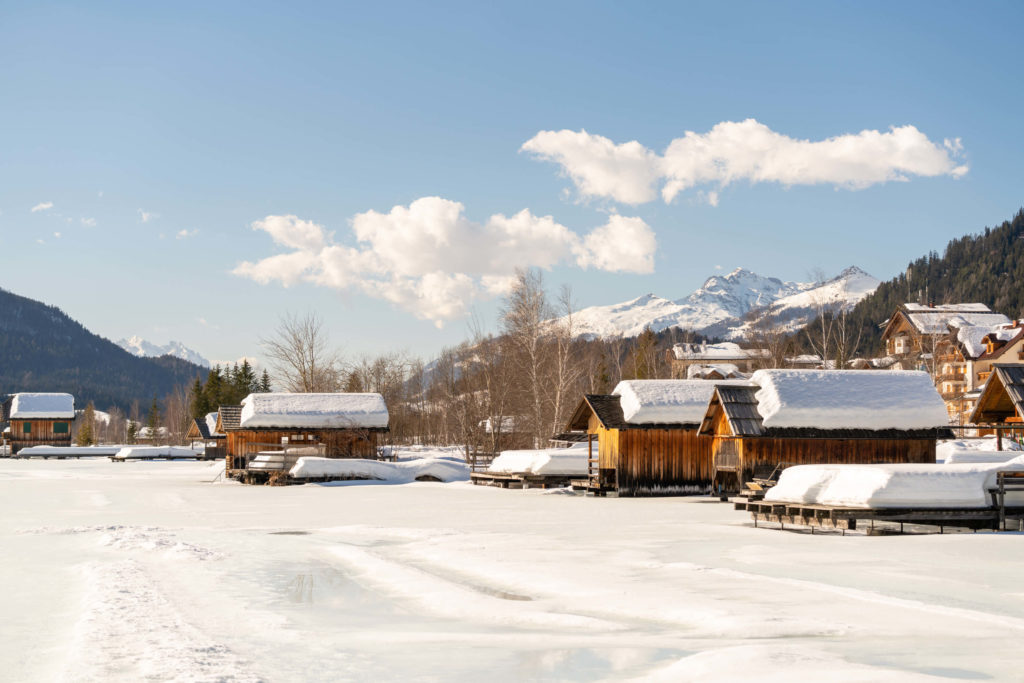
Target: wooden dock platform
(521,481)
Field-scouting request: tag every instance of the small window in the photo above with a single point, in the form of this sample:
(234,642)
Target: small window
(60,427)
(26,428)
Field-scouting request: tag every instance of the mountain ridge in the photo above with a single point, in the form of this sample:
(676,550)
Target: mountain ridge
(137,346)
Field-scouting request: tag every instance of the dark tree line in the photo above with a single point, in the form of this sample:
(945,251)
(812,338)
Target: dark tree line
(226,386)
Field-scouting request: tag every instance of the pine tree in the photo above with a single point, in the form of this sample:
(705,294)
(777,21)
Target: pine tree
(153,420)
(246,379)
(264,387)
(200,403)
(86,433)
(131,432)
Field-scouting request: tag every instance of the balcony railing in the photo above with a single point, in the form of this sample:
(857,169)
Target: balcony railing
(958,377)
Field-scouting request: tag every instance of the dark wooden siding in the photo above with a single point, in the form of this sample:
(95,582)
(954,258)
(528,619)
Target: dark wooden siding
(43,434)
(339,443)
(663,462)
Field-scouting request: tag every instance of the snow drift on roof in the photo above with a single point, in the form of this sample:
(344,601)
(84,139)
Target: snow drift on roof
(211,423)
(42,406)
(667,401)
(849,399)
(722,351)
(323,411)
(936,319)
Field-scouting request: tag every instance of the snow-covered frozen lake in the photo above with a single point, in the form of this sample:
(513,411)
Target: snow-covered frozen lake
(148,571)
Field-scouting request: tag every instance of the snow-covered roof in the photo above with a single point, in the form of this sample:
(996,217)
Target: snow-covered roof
(936,319)
(324,411)
(42,406)
(849,399)
(703,371)
(716,352)
(667,401)
(211,423)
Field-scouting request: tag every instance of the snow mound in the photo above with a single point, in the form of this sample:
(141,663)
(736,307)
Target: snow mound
(148,452)
(403,472)
(976,450)
(570,461)
(314,411)
(58,451)
(30,406)
(849,399)
(667,401)
(893,486)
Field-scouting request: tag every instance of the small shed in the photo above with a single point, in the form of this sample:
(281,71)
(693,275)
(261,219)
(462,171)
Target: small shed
(38,419)
(342,425)
(204,430)
(644,437)
(1002,399)
(797,417)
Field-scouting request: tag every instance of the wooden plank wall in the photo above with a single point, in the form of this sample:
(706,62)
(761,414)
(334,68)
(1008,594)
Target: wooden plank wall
(663,462)
(341,443)
(42,434)
(761,452)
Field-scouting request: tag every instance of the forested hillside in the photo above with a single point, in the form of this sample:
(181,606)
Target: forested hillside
(986,267)
(42,349)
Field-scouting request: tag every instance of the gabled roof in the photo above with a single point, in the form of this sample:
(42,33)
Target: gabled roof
(228,417)
(40,406)
(314,411)
(199,429)
(608,410)
(936,319)
(1002,396)
(740,407)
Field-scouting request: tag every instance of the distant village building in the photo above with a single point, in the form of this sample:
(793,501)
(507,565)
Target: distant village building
(40,419)
(684,356)
(342,425)
(951,343)
(788,417)
(644,437)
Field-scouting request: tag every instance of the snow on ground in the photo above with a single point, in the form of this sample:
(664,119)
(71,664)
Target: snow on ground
(548,461)
(976,450)
(142,452)
(163,571)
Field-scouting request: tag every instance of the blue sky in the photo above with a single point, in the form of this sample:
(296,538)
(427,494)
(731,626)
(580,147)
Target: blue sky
(161,133)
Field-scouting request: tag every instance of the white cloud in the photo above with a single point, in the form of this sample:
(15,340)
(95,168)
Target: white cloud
(597,166)
(89,222)
(184,234)
(57,235)
(41,206)
(430,259)
(147,216)
(747,150)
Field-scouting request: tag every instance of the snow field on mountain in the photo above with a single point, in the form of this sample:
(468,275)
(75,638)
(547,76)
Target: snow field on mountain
(162,571)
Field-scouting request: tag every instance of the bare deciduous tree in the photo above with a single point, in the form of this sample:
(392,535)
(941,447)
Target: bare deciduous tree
(302,357)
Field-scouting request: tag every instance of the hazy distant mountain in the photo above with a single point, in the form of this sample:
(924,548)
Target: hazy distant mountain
(42,349)
(727,304)
(146,349)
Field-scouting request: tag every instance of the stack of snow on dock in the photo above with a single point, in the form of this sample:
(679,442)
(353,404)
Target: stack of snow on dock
(314,411)
(894,486)
(568,462)
(441,469)
(849,399)
(156,452)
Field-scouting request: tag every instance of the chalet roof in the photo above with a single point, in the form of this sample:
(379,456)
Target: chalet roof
(608,410)
(936,319)
(42,406)
(666,401)
(739,405)
(724,351)
(228,417)
(199,429)
(1005,337)
(569,437)
(314,411)
(1002,395)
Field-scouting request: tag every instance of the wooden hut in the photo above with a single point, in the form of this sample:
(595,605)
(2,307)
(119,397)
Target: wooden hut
(796,417)
(325,425)
(204,430)
(644,437)
(1001,403)
(40,420)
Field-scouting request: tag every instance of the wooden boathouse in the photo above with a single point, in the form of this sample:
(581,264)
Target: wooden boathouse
(40,419)
(279,428)
(1000,406)
(204,430)
(798,417)
(644,437)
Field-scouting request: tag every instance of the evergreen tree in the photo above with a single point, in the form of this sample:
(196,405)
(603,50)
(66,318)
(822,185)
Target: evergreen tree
(200,403)
(131,433)
(246,379)
(86,432)
(153,420)
(264,387)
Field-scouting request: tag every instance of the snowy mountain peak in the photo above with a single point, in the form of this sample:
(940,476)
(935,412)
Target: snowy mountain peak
(138,346)
(725,304)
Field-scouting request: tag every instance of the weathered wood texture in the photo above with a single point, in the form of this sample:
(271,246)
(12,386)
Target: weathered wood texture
(658,462)
(338,443)
(41,433)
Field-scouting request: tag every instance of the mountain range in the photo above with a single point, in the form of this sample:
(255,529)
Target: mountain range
(137,346)
(43,349)
(727,306)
